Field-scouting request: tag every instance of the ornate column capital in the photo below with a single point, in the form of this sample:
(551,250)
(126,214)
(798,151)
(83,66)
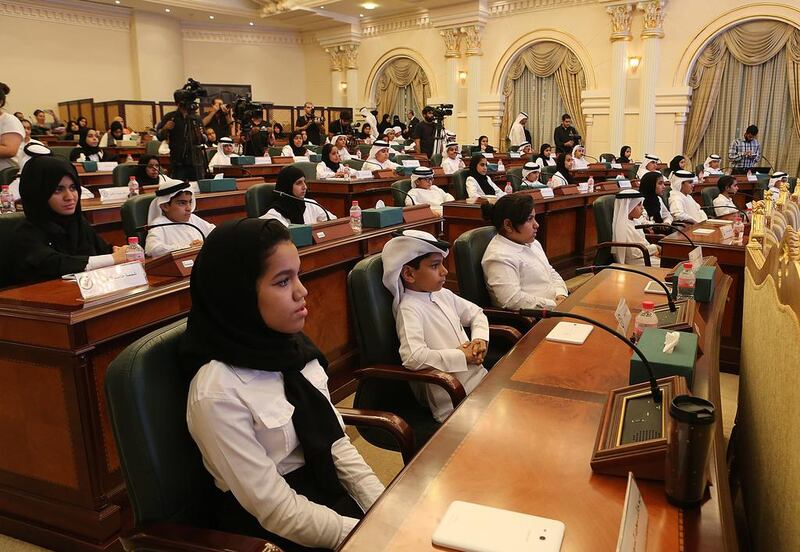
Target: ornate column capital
(472,36)
(621,16)
(336,55)
(653,18)
(452,42)
(349,56)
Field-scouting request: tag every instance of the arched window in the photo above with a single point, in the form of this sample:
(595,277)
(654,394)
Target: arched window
(401,86)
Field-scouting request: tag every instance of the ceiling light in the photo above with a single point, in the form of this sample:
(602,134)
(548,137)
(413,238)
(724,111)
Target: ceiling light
(167,10)
(211,17)
(251,23)
(322,7)
(117,2)
(633,62)
(361,15)
(369,5)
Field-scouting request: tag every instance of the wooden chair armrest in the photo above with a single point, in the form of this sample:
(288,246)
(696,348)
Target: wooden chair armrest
(504,334)
(654,238)
(446,381)
(508,318)
(170,537)
(640,247)
(387,421)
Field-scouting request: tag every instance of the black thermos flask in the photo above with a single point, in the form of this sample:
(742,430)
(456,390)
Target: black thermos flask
(688,445)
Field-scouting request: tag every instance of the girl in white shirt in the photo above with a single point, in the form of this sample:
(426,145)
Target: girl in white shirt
(545,157)
(651,186)
(650,163)
(88,149)
(174,202)
(681,203)
(378,157)
(711,164)
(627,211)
(424,191)
(579,162)
(12,132)
(330,167)
(290,207)
(224,153)
(340,142)
(452,161)
(517,272)
(478,183)
(258,406)
(723,203)
(562,176)
(295,147)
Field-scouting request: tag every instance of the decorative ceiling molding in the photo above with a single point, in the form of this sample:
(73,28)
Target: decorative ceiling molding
(241,37)
(375,27)
(513,7)
(66,14)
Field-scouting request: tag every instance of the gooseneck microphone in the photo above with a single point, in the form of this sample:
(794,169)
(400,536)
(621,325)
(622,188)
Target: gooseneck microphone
(151,226)
(713,210)
(311,201)
(596,160)
(594,269)
(545,313)
(656,225)
(405,193)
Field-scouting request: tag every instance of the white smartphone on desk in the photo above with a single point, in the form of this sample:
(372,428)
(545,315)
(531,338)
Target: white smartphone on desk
(471,527)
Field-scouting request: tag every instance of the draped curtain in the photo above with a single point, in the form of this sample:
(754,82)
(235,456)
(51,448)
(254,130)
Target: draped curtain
(748,75)
(398,79)
(559,79)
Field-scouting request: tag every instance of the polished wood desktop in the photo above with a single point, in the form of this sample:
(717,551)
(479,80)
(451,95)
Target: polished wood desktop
(60,481)
(523,440)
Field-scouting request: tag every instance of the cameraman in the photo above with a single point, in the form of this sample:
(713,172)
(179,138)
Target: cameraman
(182,128)
(425,132)
(219,118)
(312,125)
(565,135)
(341,126)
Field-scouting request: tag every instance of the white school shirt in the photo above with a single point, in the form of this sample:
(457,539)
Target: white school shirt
(287,152)
(634,256)
(313,214)
(549,162)
(165,239)
(684,208)
(9,124)
(242,424)
(433,196)
(579,164)
(220,160)
(372,164)
(666,216)
(474,189)
(452,165)
(431,328)
(519,276)
(724,206)
(324,171)
(97,157)
(557,180)
(344,155)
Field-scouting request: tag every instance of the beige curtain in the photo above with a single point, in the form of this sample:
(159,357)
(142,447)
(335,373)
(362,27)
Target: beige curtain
(729,68)
(545,59)
(396,76)
(539,97)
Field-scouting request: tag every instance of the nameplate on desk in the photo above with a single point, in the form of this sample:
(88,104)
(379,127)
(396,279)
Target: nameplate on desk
(488,155)
(567,189)
(514,155)
(623,183)
(281,160)
(752,178)
(411,162)
(363,175)
(106,166)
(384,173)
(113,195)
(302,159)
(623,316)
(696,257)
(616,165)
(111,279)
(262,161)
(547,193)
(583,187)
(726,231)
(633,527)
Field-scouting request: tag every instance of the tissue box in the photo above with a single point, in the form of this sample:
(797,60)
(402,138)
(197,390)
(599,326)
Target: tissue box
(243,160)
(703,287)
(381,218)
(314,158)
(90,166)
(679,363)
(492,166)
(300,234)
(405,171)
(217,184)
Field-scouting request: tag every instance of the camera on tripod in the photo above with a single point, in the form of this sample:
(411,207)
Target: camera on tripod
(189,94)
(441,111)
(244,109)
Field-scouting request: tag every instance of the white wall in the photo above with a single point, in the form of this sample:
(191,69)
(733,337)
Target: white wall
(157,55)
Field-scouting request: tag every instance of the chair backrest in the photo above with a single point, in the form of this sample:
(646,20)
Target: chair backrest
(631,174)
(468,249)
(371,305)
(152,147)
(607,158)
(8,223)
(62,151)
(603,209)
(792,183)
(134,215)
(665,195)
(698,167)
(547,172)
(516,181)
(309,169)
(364,149)
(146,392)
(708,195)
(123,172)
(513,148)
(398,198)
(400,157)
(354,163)
(258,198)
(466,150)
(315,149)
(459,184)
(8,175)
(436,160)
(275,152)
(762,181)
(208,154)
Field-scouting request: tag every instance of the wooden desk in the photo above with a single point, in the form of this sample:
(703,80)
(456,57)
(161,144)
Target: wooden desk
(96,180)
(268,172)
(121,153)
(731,259)
(60,480)
(523,440)
(739,200)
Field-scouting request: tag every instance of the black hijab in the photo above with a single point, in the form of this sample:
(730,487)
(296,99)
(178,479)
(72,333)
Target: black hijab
(541,155)
(647,187)
(116,128)
(561,167)
(297,152)
(675,164)
(292,209)
(83,147)
(622,157)
(482,179)
(326,153)
(225,325)
(141,171)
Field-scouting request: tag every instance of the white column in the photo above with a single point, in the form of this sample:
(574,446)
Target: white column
(472,36)
(651,36)
(350,64)
(620,36)
(452,45)
(335,54)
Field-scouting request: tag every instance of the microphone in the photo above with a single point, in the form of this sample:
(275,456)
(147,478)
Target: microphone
(545,313)
(594,269)
(380,167)
(393,190)
(678,230)
(713,212)
(311,201)
(768,161)
(151,226)
(591,157)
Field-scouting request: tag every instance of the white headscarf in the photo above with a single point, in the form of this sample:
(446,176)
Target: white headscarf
(517,132)
(373,122)
(335,138)
(528,168)
(676,178)
(707,165)
(167,189)
(420,172)
(648,158)
(625,202)
(582,163)
(373,151)
(401,250)
(449,145)
(29,150)
(775,179)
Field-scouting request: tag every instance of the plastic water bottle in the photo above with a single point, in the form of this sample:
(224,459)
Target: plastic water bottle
(686,282)
(135,253)
(133,187)
(590,182)
(645,319)
(500,166)
(355,217)
(738,228)
(509,189)
(358,154)
(129,159)
(6,201)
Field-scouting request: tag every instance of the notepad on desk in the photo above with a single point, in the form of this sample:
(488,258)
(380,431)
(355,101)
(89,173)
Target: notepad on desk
(720,222)
(571,333)
(703,231)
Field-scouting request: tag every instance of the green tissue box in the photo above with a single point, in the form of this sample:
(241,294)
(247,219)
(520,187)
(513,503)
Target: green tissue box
(217,185)
(679,363)
(404,171)
(90,166)
(381,218)
(243,160)
(704,284)
(300,234)
(315,158)
(492,166)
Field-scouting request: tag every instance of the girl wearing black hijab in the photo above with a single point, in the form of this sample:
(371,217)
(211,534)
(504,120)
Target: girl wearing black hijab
(384,124)
(295,147)
(651,186)
(72,131)
(562,176)
(330,167)
(624,154)
(545,157)
(678,163)
(55,239)
(478,183)
(148,172)
(258,406)
(88,149)
(292,182)
(116,133)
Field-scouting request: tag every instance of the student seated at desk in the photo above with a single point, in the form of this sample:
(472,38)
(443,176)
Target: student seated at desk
(258,406)
(174,202)
(579,162)
(649,164)
(682,205)
(723,203)
(678,163)
(390,136)
(330,166)
(294,210)
(517,272)
(483,145)
(526,150)
(774,184)
(711,165)
(115,134)
(562,176)
(224,153)
(627,212)
(148,171)
(55,239)
(366,134)
(624,155)
(378,157)
(430,318)
(452,161)
(72,130)
(478,183)
(295,147)
(88,149)
(424,191)
(651,186)
(545,157)
(211,137)
(530,175)
(340,143)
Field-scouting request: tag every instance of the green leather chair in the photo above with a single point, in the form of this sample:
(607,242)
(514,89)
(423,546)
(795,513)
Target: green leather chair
(516,178)
(631,174)
(436,160)
(364,149)
(607,158)
(397,147)
(8,175)
(258,198)
(354,163)
(123,172)
(208,154)
(547,172)
(792,183)
(603,208)
(152,147)
(762,182)
(708,195)
(466,150)
(699,167)
(134,215)
(8,223)
(62,151)
(459,184)
(275,152)
(399,199)
(309,169)
(513,148)
(315,149)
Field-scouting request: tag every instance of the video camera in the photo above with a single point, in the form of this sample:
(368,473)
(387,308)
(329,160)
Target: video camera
(188,96)
(244,109)
(441,111)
